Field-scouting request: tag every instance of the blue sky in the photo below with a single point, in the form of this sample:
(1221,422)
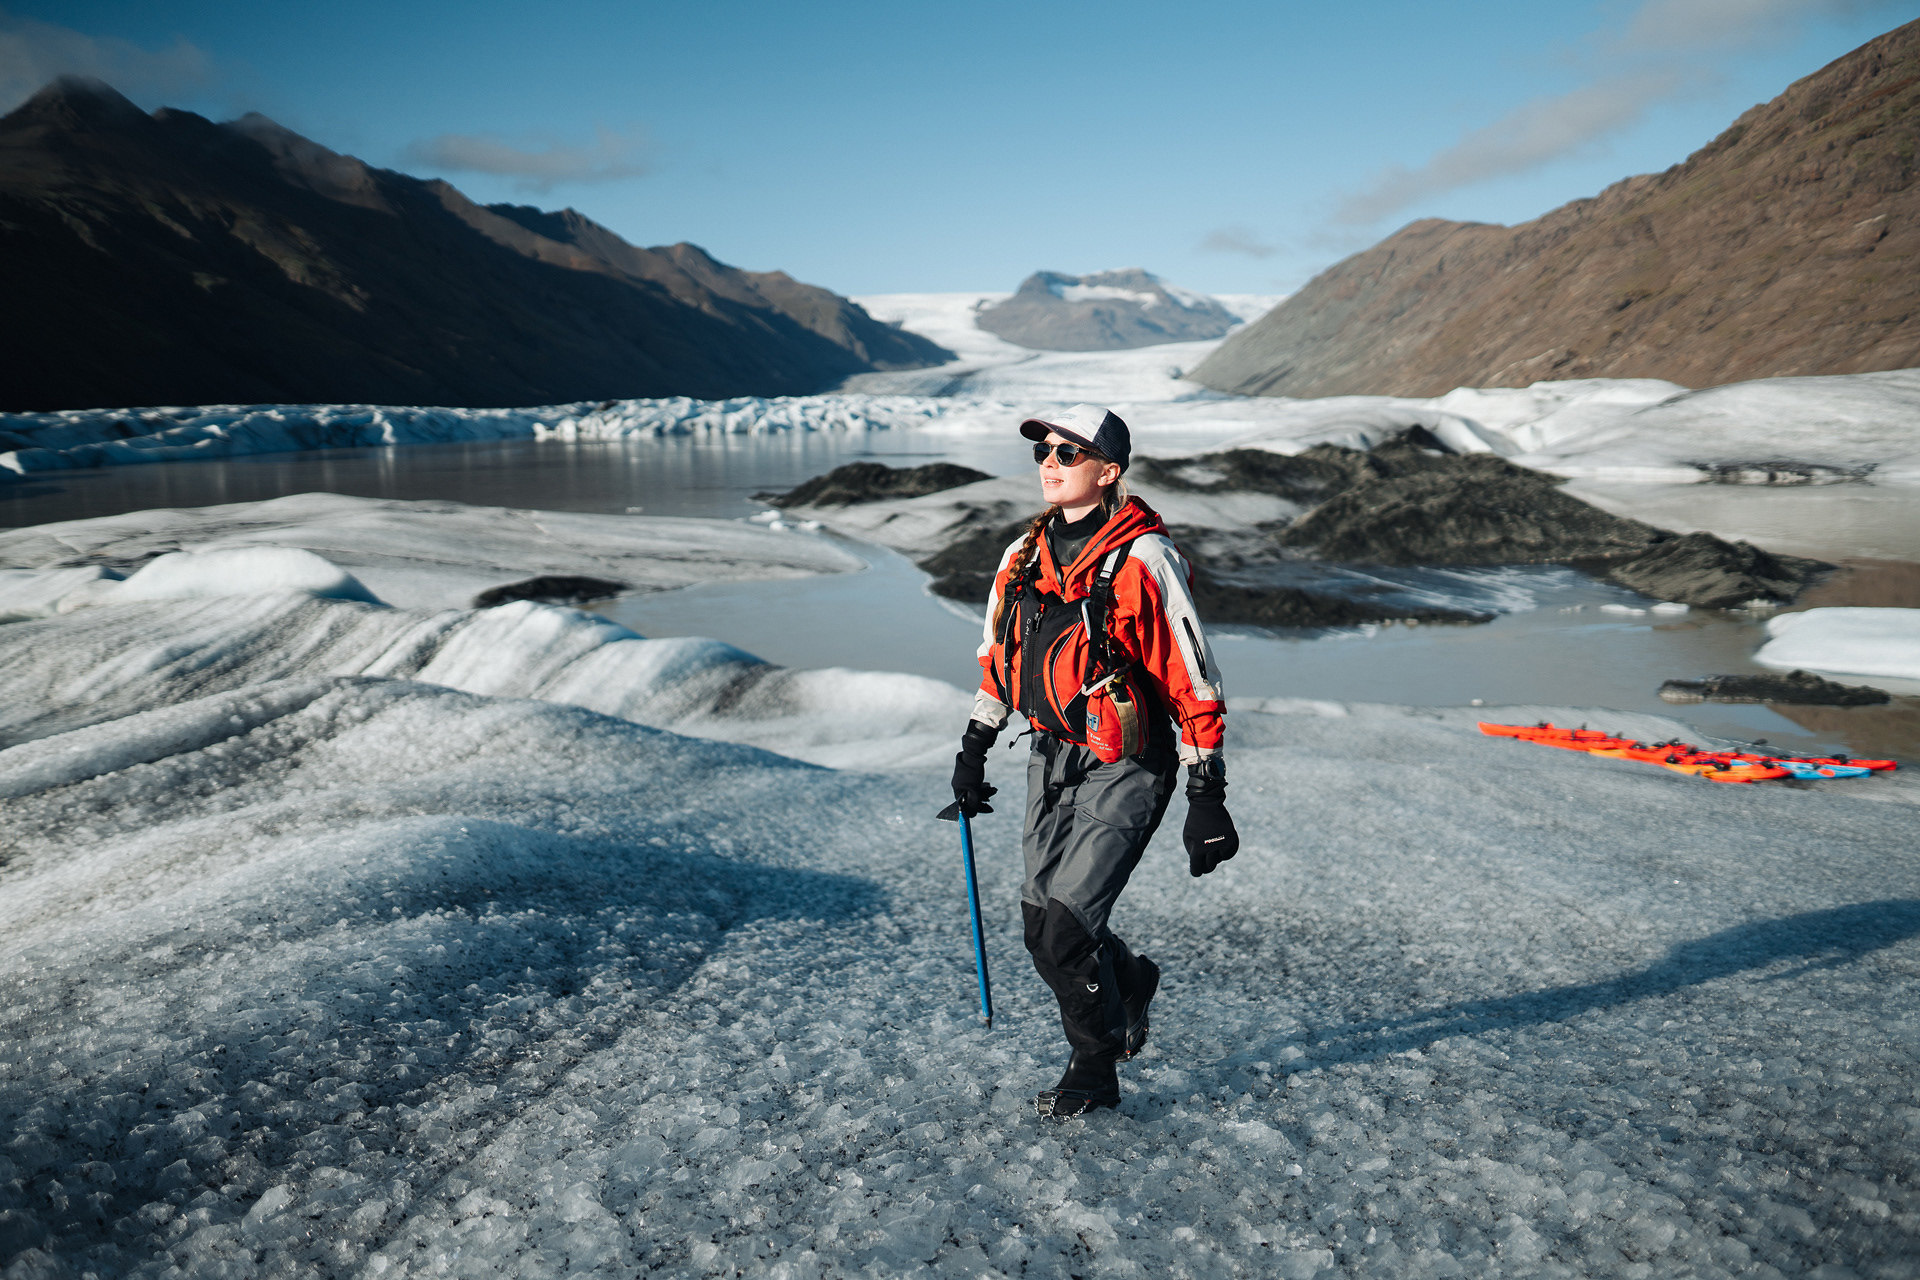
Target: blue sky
(1230,147)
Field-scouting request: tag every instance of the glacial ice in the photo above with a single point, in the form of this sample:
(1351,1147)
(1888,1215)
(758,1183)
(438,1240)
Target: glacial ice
(413,554)
(112,437)
(240,571)
(96,665)
(1854,641)
(314,965)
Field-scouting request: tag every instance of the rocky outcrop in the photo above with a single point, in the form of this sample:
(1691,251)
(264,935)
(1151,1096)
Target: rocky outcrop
(165,259)
(873,482)
(1106,311)
(1229,603)
(1407,502)
(1797,687)
(965,569)
(1700,569)
(1472,509)
(1413,505)
(1790,244)
(551,588)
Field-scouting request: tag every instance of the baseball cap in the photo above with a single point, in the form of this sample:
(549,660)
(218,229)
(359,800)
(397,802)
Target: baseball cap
(1098,429)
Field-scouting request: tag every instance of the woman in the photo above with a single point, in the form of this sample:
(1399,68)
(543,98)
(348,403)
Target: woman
(1091,611)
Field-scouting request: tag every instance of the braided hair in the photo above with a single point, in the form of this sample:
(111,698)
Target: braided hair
(1023,562)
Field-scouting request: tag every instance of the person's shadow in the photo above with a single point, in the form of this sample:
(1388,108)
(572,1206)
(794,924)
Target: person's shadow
(1817,939)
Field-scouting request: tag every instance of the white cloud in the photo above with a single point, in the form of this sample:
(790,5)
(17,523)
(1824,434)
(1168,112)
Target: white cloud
(1237,239)
(540,166)
(1655,55)
(1674,25)
(1527,137)
(34,52)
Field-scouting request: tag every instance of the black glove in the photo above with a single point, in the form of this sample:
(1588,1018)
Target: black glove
(1209,833)
(970,786)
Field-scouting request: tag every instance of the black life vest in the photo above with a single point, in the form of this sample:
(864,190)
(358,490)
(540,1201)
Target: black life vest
(1065,649)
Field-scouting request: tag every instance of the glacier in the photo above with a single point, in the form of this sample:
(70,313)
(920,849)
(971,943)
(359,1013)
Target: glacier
(432,554)
(1637,430)
(386,937)
(371,975)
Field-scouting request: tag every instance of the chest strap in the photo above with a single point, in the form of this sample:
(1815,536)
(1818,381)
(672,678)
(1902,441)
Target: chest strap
(1099,640)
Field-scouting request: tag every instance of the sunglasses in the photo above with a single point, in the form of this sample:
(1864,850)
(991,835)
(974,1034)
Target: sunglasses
(1068,454)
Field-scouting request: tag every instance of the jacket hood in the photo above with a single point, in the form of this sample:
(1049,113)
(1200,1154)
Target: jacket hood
(1133,519)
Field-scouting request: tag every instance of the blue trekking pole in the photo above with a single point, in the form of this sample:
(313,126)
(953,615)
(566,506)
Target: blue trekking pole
(979,939)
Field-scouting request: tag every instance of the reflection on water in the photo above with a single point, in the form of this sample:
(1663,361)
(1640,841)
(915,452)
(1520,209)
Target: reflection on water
(1497,590)
(1562,646)
(1553,644)
(1826,522)
(709,475)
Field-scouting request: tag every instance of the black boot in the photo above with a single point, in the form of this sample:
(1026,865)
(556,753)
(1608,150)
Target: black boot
(1136,995)
(1135,979)
(1090,1082)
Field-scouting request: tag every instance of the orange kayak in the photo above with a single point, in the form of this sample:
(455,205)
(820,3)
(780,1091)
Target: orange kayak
(1688,762)
(1720,766)
(1549,736)
(1718,772)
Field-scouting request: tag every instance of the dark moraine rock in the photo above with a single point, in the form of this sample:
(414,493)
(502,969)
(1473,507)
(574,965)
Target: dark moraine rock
(1233,604)
(1784,471)
(1407,502)
(1308,477)
(874,482)
(557,588)
(1463,509)
(964,570)
(1700,569)
(1413,505)
(1797,687)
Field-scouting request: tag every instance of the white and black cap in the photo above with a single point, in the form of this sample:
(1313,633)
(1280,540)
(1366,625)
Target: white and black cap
(1098,429)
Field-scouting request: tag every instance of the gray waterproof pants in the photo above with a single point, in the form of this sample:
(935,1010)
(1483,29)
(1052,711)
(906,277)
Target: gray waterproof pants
(1088,824)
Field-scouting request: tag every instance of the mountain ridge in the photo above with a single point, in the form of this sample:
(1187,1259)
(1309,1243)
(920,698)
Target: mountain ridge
(1789,244)
(165,258)
(1105,311)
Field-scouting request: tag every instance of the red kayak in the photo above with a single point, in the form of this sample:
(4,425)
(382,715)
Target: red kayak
(1722,766)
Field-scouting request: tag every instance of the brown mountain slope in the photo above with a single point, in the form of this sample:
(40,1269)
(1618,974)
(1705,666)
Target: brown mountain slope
(1790,244)
(165,259)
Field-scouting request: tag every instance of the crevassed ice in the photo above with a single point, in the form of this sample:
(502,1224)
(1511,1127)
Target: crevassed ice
(1600,429)
(97,664)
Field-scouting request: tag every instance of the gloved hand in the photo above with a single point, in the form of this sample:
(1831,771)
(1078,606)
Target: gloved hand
(970,786)
(1209,833)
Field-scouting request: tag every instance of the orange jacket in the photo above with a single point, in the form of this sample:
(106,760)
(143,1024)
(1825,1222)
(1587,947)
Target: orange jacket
(1153,623)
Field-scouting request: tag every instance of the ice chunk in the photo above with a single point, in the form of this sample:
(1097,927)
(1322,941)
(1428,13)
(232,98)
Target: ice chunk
(241,571)
(272,1201)
(1855,641)
(28,593)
